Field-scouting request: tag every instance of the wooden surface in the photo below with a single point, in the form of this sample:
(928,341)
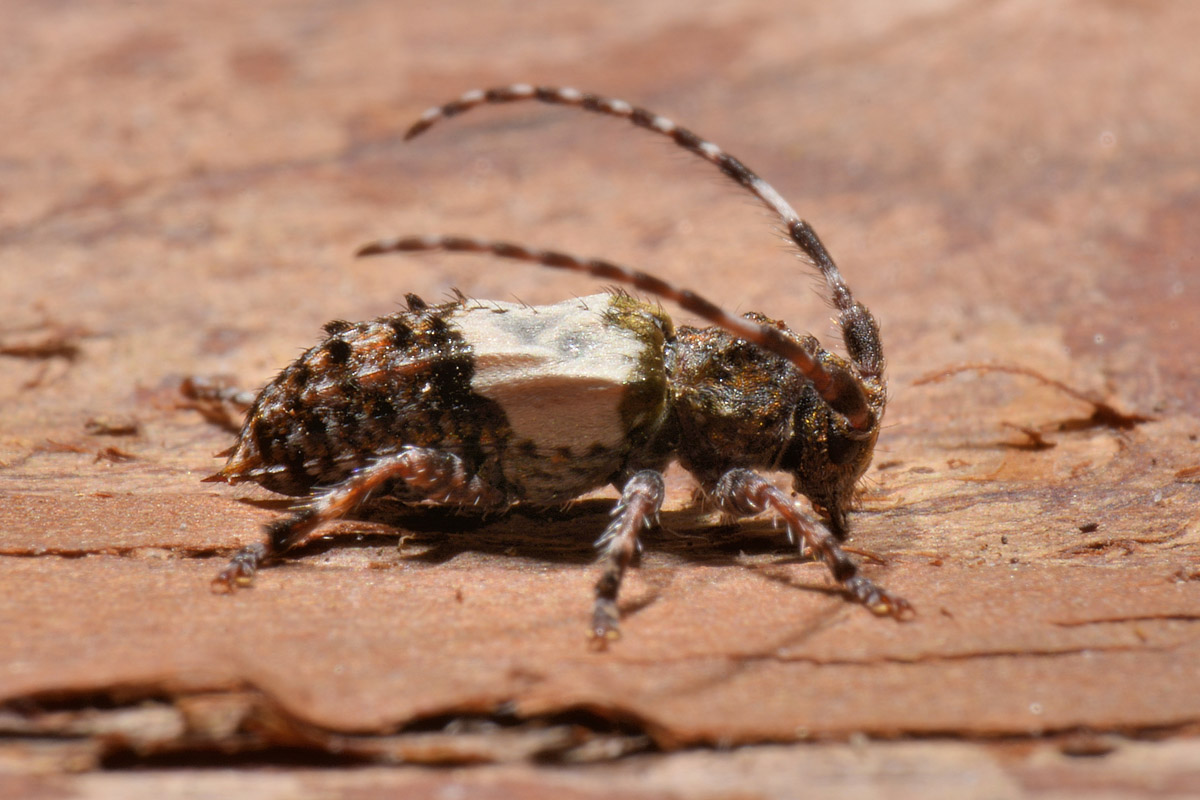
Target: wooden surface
(1002,182)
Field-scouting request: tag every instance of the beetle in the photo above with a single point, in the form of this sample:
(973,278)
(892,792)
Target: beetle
(483,405)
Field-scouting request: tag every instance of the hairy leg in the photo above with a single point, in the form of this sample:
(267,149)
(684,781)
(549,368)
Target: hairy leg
(433,474)
(742,492)
(641,500)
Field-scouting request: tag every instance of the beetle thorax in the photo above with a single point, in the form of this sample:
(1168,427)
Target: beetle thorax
(739,406)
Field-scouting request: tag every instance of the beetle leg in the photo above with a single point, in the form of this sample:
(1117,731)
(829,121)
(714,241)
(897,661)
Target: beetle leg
(436,475)
(220,405)
(745,493)
(641,500)
(208,389)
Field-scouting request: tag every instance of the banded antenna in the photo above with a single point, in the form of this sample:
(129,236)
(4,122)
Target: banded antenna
(799,231)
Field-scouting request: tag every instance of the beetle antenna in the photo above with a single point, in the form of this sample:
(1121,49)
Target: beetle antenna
(799,231)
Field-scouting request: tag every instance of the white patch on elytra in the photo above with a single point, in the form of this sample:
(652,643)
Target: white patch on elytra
(559,372)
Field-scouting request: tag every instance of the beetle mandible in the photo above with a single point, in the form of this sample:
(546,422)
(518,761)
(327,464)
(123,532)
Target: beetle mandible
(487,404)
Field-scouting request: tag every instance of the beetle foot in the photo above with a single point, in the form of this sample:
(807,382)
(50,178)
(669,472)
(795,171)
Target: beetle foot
(240,571)
(879,600)
(604,628)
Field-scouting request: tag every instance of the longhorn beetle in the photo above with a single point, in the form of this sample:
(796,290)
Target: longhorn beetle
(482,405)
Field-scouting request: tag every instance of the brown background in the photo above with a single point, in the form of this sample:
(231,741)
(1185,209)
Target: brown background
(181,187)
